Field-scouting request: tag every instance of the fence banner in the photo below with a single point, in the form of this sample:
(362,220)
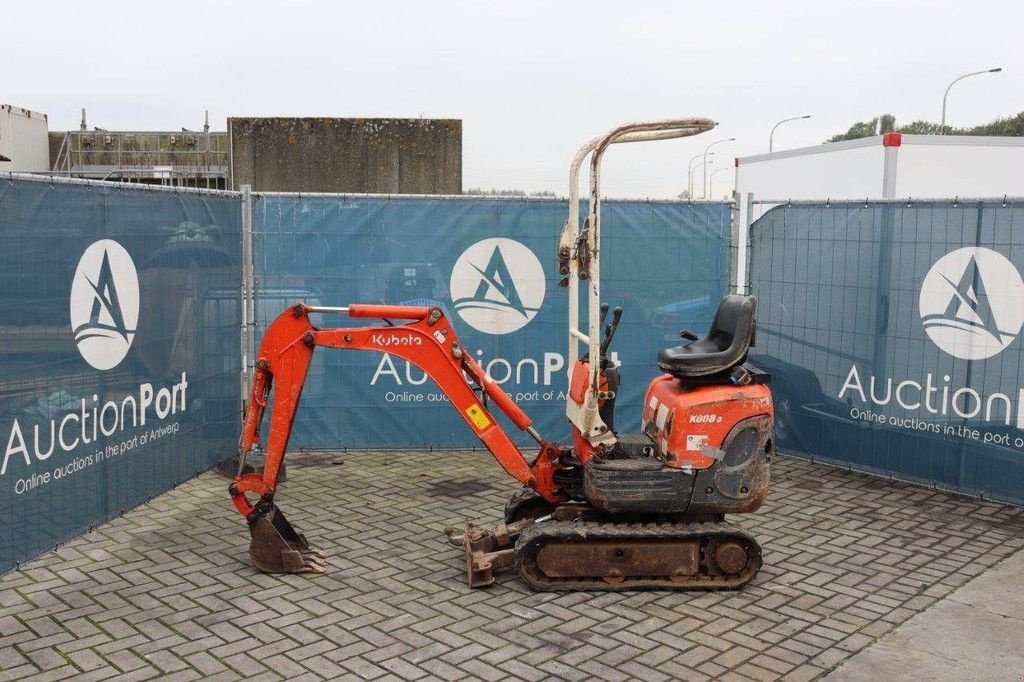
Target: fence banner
(490,264)
(892,332)
(119,362)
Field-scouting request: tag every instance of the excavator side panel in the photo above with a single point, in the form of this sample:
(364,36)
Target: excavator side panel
(690,424)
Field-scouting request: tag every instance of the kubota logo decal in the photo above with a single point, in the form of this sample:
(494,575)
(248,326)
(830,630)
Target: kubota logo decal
(972,303)
(497,285)
(105,304)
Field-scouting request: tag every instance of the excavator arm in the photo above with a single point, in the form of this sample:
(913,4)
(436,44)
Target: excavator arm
(428,341)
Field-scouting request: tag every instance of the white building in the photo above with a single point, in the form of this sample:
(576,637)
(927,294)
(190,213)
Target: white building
(24,140)
(889,166)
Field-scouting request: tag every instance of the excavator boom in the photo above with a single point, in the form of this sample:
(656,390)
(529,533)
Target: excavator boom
(428,341)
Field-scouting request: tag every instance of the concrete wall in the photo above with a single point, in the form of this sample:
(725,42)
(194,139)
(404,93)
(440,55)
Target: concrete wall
(375,155)
(56,139)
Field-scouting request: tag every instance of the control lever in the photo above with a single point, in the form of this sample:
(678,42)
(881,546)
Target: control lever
(611,329)
(604,314)
(688,335)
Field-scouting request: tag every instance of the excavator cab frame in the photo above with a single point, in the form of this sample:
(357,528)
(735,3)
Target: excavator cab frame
(579,258)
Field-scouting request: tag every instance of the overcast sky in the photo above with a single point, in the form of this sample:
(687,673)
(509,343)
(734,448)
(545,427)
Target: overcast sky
(530,80)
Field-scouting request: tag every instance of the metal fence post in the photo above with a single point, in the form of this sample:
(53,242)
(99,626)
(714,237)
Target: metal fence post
(743,245)
(248,329)
(734,218)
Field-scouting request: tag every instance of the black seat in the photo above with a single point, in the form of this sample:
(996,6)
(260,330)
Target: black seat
(725,346)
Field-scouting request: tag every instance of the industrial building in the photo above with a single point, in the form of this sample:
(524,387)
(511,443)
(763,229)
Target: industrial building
(357,155)
(180,158)
(371,155)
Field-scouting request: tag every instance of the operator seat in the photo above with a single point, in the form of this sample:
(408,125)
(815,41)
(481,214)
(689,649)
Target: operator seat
(726,345)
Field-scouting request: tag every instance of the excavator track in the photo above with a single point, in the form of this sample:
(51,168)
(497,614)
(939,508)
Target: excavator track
(594,555)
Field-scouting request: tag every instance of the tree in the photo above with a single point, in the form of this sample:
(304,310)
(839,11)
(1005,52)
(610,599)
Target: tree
(479,191)
(1012,126)
(1006,127)
(920,127)
(885,123)
(856,131)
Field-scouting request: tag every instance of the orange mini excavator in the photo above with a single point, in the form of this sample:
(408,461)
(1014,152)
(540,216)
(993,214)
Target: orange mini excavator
(612,511)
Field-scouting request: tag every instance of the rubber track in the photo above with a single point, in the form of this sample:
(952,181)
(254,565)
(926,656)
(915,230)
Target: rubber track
(708,577)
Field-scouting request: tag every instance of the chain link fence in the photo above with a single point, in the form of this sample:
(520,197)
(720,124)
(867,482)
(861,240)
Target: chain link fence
(119,319)
(892,331)
(490,264)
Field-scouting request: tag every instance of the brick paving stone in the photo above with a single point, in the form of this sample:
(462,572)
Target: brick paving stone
(876,629)
(167,589)
(756,672)
(776,665)
(20,672)
(804,673)
(66,672)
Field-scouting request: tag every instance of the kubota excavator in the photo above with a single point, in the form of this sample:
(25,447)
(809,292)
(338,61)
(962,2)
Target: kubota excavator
(610,512)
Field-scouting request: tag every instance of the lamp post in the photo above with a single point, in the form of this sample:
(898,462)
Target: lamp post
(771,136)
(704,193)
(690,174)
(715,172)
(942,123)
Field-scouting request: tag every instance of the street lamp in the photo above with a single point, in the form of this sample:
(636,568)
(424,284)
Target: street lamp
(716,172)
(942,124)
(704,193)
(690,174)
(771,136)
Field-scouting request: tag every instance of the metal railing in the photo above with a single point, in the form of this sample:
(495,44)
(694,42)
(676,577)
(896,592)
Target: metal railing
(142,156)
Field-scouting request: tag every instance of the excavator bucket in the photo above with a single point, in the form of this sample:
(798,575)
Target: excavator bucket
(277,547)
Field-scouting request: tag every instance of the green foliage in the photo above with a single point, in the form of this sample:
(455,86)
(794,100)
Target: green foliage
(920,127)
(1012,126)
(857,131)
(1007,127)
(479,191)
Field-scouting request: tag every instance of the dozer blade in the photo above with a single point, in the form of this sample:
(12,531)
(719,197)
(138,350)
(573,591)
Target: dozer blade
(486,551)
(277,547)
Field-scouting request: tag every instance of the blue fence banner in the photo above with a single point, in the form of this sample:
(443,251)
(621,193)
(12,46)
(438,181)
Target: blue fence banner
(893,335)
(490,264)
(119,350)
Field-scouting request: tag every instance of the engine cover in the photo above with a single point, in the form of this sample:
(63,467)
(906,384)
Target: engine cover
(689,424)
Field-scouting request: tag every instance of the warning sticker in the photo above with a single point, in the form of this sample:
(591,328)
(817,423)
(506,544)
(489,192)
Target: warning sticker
(479,418)
(696,442)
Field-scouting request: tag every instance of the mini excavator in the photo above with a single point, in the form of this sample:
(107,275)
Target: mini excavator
(612,511)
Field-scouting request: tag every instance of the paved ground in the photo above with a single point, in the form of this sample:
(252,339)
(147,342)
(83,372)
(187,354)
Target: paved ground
(167,589)
(975,634)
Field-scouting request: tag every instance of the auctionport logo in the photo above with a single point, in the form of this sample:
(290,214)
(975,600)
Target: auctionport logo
(972,303)
(497,285)
(105,304)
